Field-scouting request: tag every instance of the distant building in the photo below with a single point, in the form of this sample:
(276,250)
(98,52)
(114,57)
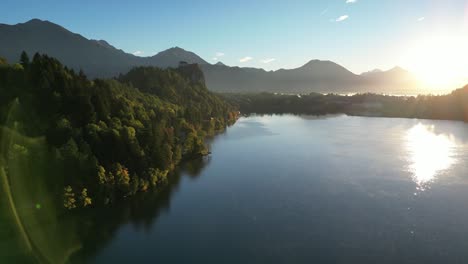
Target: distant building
(192,71)
(183,63)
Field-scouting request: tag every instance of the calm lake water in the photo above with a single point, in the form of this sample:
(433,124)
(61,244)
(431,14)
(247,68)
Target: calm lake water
(292,189)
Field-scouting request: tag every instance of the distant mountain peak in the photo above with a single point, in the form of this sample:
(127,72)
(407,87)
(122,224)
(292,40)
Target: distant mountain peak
(34,21)
(374,71)
(37,25)
(175,50)
(219,63)
(325,68)
(321,63)
(397,69)
(314,62)
(39,22)
(172,57)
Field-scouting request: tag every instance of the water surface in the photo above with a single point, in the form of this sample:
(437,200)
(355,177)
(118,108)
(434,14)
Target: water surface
(292,189)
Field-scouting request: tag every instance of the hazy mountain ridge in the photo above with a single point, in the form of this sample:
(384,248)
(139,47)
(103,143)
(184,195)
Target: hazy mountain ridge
(98,58)
(314,76)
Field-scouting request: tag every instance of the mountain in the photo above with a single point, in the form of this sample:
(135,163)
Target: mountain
(314,76)
(172,57)
(323,76)
(371,72)
(396,72)
(98,58)
(397,80)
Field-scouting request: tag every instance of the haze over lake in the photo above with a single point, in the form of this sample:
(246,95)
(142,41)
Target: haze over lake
(292,189)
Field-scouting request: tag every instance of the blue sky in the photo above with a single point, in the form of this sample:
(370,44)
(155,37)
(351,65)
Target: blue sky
(358,34)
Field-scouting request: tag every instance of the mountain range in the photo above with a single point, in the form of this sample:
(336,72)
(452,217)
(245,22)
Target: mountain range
(99,59)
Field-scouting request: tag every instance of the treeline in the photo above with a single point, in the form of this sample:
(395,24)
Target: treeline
(269,103)
(452,106)
(107,138)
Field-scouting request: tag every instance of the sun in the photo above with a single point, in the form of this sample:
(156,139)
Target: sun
(440,61)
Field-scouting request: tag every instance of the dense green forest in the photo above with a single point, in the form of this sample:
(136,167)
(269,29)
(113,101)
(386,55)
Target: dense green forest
(96,141)
(452,106)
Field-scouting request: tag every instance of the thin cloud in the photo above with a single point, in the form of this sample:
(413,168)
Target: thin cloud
(351,1)
(219,54)
(245,59)
(324,12)
(342,18)
(215,59)
(270,60)
(138,53)
(421,19)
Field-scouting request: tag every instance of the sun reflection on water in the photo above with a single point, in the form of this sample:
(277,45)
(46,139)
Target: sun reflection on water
(429,154)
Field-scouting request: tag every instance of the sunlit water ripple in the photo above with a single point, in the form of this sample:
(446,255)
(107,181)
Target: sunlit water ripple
(429,154)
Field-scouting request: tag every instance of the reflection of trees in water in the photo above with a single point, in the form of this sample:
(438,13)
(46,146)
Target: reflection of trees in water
(196,166)
(34,227)
(99,225)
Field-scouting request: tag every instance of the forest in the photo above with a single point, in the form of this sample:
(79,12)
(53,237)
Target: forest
(453,106)
(98,141)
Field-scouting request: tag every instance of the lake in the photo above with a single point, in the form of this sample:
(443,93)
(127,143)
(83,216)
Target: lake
(298,189)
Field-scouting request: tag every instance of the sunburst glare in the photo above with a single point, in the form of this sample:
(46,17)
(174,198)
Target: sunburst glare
(429,154)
